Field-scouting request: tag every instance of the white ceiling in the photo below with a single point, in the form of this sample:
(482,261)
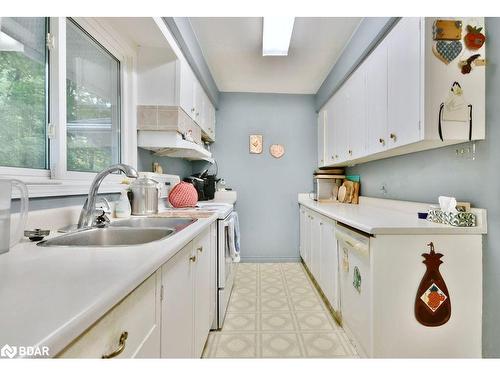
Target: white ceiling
(233,50)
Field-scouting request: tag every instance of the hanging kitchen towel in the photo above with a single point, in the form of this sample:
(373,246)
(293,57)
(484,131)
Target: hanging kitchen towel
(234,237)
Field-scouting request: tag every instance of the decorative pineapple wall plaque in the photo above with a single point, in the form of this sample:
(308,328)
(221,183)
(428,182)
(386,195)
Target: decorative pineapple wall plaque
(432,303)
(256,144)
(277,151)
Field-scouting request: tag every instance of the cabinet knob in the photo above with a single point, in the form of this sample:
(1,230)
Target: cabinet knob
(120,348)
(192,258)
(381,141)
(192,109)
(350,152)
(200,249)
(393,137)
(336,156)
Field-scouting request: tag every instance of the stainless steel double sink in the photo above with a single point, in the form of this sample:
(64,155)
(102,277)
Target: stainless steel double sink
(126,232)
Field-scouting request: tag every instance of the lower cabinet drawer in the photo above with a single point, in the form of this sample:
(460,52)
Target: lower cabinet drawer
(131,329)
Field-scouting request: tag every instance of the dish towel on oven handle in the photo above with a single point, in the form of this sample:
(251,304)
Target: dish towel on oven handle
(234,237)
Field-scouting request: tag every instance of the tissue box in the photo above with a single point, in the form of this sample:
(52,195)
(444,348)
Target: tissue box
(459,219)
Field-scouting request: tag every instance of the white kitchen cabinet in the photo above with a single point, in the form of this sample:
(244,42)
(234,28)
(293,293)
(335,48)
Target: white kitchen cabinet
(198,102)
(321,137)
(177,320)
(187,81)
(356,113)
(404,82)
(207,121)
(319,253)
(329,266)
(302,231)
(376,100)
(213,276)
(307,239)
(164,79)
(186,280)
(391,104)
(341,133)
(202,291)
(314,265)
(131,329)
(330,143)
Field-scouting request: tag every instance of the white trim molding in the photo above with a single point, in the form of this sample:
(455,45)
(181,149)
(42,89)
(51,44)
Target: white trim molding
(57,180)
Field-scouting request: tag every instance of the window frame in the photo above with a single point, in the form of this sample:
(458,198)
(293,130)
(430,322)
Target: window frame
(57,180)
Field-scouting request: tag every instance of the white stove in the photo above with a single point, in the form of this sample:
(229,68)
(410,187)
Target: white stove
(225,264)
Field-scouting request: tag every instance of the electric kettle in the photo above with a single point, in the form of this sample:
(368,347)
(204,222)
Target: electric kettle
(6,241)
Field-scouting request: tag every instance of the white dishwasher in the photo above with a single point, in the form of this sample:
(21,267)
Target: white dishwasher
(355,286)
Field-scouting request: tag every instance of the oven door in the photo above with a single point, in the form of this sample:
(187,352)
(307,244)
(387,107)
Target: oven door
(225,262)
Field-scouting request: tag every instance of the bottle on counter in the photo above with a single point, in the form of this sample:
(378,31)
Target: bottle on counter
(122,206)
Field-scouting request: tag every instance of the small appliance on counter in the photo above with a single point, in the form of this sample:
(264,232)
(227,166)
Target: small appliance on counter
(327,183)
(205,182)
(164,183)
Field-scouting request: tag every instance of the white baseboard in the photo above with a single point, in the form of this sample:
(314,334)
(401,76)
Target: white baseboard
(270,259)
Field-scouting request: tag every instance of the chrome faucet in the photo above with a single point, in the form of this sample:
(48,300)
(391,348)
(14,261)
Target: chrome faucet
(87,214)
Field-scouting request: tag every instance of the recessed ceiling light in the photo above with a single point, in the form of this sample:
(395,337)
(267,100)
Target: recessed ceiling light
(276,35)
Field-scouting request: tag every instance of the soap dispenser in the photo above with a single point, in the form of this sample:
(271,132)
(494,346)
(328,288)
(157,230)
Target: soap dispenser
(122,207)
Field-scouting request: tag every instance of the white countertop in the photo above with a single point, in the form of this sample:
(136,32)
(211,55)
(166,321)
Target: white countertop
(50,295)
(383,216)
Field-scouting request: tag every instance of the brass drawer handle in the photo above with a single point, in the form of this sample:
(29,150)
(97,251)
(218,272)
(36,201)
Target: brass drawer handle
(192,258)
(381,141)
(200,249)
(394,137)
(121,346)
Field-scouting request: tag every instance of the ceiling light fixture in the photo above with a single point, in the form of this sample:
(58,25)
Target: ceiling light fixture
(276,35)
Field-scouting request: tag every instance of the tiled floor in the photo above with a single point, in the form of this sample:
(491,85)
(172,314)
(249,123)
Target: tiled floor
(275,312)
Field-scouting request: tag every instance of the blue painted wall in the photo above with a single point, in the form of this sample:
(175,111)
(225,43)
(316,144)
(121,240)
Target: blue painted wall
(425,175)
(267,187)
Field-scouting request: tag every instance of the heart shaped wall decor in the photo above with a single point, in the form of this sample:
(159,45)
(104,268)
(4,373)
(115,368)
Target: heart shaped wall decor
(277,151)
(448,51)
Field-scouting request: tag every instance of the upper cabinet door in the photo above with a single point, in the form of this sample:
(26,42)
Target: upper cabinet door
(404,82)
(329,132)
(198,102)
(342,114)
(186,89)
(376,100)
(356,111)
(321,137)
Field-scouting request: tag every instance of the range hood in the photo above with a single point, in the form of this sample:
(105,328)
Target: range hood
(170,143)
(160,129)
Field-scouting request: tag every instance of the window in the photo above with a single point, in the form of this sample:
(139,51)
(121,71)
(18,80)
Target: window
(23,92)
(92,103)
(67,103)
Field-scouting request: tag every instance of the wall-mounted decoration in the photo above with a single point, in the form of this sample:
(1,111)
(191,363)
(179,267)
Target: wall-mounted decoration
(466,66)
(455,108)
(255,143)
(447,51)
(447,30)
(432,302)
(277,150)
(474,39)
